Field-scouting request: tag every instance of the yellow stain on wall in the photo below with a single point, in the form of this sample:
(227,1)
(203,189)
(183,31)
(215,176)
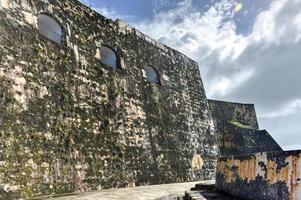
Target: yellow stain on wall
(197,162)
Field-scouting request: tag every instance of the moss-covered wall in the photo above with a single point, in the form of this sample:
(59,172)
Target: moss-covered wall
(243,115)
(70,123)
(237,129)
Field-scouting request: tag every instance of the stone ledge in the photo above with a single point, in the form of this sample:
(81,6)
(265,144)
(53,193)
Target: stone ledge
(206,191)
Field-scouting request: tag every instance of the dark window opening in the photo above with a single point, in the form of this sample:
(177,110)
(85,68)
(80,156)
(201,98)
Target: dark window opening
(152,75)
(108,57)
(50,28)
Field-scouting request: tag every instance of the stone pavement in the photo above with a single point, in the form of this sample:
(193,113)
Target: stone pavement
(135,193)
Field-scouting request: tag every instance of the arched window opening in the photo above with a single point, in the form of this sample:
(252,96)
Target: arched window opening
(50,28)
(152,75)
(108,57)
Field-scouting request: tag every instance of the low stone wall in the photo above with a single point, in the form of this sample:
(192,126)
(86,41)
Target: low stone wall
(241,141)
(223,111)
(237,129)
(261,176)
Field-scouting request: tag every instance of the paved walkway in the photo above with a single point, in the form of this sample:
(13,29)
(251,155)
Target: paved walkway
(135,193)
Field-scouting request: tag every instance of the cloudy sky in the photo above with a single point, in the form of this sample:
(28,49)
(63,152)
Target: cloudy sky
(248,50)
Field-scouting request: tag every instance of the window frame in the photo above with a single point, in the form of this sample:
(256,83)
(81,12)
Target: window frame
(54,19)
(154,72)
(116,54)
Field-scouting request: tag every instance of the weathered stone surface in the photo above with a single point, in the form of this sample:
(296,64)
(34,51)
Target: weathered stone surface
(237,113)
(70,123)
(207,191)
(240,141)
(262,176)
(204,186)
(174,191)
(237,129)
(252,165)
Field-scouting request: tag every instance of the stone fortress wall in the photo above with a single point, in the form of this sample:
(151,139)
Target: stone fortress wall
(251,164)
(89,103)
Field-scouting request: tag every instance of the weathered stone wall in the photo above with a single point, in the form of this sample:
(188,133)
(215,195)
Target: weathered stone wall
(252,165)
(70,123)
(237,129)
(241,141)
(237,113)
(261,176)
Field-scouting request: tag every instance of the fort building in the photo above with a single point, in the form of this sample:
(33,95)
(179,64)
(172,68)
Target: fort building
(88,103)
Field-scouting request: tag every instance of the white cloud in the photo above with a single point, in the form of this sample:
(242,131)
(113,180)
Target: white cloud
(280,24)
(224,85)
(209,38)
(287,109)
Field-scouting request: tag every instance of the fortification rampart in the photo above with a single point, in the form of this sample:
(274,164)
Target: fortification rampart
(88,103)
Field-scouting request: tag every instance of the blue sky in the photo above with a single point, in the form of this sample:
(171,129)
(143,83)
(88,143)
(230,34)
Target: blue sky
(136,8)
(248,50)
